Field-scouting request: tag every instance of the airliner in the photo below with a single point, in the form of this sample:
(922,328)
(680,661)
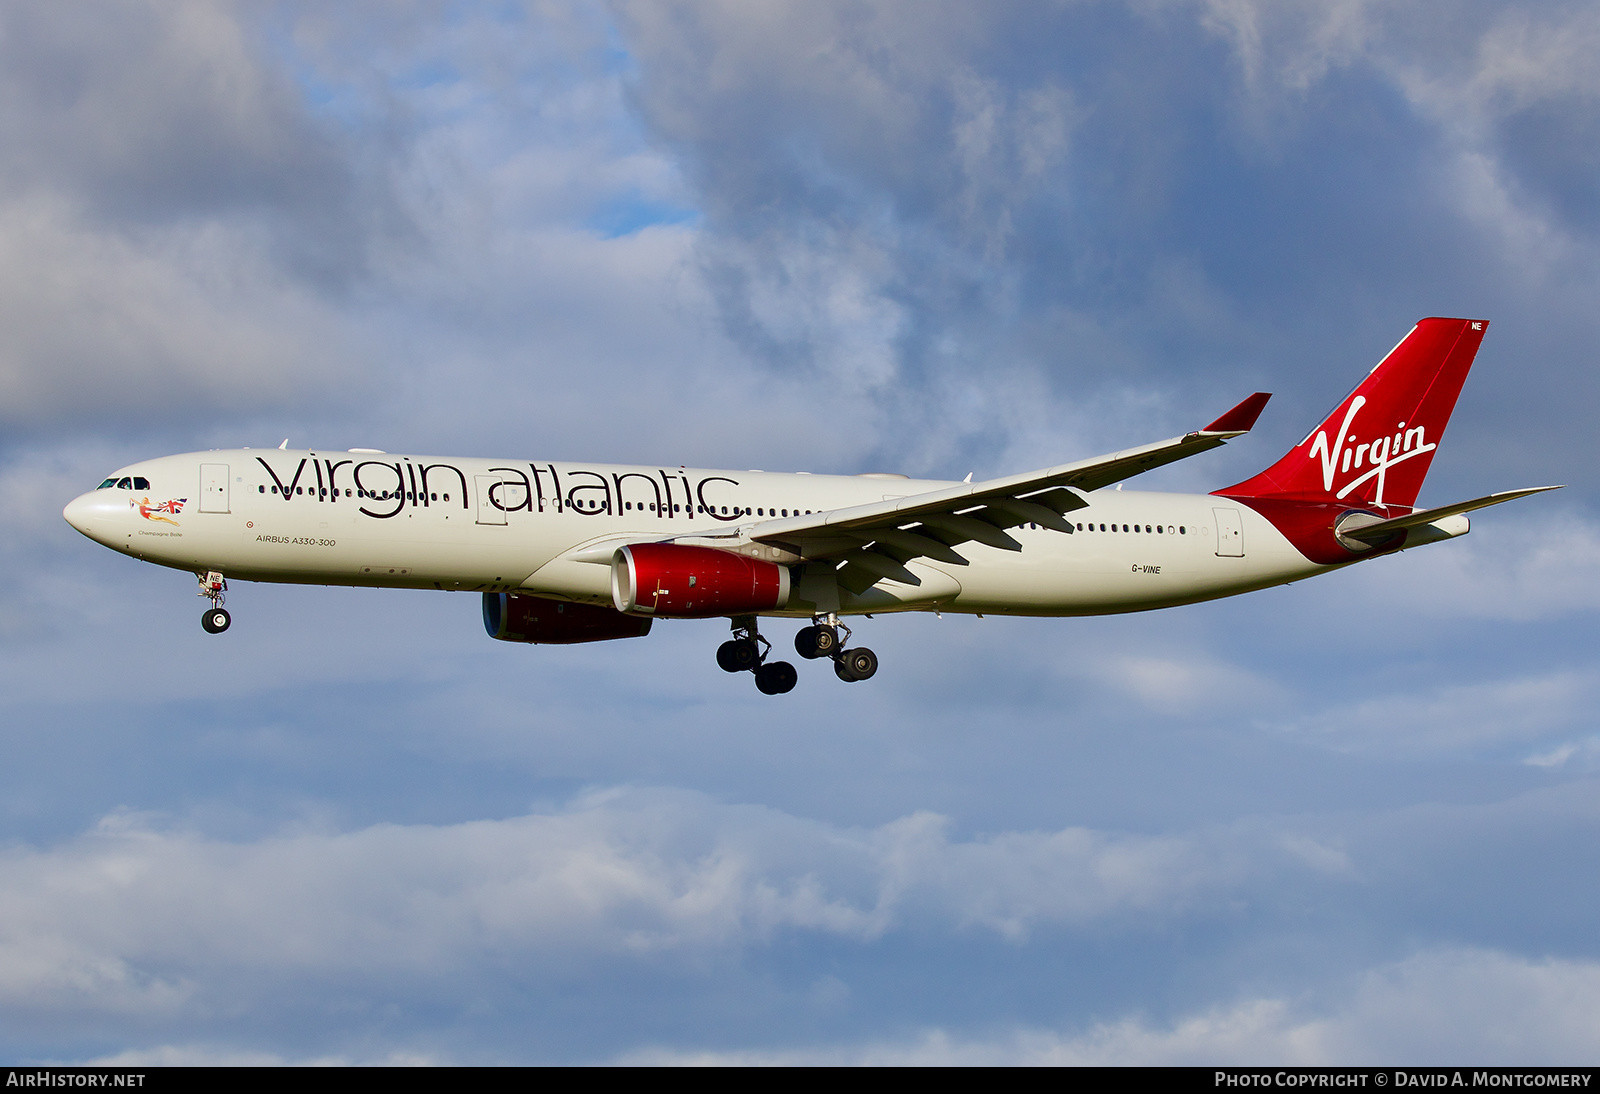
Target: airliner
(566,553)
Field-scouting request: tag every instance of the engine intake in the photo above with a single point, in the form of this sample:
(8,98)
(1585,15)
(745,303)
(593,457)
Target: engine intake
(515,617)
(668,579)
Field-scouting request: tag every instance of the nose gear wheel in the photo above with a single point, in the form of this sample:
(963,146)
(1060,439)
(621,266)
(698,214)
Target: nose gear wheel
(214,587)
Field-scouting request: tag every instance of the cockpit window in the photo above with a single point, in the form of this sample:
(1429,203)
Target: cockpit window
(108,484)
(140,484)
(124,484)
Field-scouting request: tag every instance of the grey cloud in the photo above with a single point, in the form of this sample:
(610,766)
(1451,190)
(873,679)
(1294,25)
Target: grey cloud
(158,112)
(101,327)
(913,201)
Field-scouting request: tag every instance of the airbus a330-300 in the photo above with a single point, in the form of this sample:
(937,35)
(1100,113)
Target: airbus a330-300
(565,553)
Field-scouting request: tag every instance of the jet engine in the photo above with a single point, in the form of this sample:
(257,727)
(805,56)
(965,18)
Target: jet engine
(694,582)
(514,617)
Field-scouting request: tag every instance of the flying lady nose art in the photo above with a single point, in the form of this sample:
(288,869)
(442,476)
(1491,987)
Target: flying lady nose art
(172,506)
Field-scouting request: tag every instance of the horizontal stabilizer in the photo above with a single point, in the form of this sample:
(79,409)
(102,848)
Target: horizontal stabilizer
(1352,527)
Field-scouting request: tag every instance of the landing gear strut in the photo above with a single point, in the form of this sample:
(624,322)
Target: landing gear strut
(822,639)
(213,587)
(747,651)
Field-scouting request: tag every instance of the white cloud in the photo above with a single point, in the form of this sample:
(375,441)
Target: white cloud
(1438,1008)
(1460,718)
(1184,685)
(1520,564)
(132,919)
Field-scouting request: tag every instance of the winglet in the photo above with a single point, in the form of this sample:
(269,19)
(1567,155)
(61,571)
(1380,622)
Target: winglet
(1242,418)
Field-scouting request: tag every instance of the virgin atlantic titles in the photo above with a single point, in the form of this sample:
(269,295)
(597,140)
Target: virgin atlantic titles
(565,553)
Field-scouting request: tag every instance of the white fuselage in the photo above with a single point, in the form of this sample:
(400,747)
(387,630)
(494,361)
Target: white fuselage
(368,518)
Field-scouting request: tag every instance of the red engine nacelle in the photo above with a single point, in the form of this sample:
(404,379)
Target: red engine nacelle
(694,582)
(513,617)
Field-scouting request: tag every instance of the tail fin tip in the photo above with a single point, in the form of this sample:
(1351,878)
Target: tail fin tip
(1377,444)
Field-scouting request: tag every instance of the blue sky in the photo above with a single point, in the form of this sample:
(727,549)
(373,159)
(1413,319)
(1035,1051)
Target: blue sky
(1350,820)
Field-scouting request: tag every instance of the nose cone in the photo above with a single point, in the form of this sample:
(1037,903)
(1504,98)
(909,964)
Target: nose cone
(94,512)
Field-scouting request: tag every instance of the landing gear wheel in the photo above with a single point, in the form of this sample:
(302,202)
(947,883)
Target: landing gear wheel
(215,620)
(857,664)
(776,678)
(814,642)
(738,655)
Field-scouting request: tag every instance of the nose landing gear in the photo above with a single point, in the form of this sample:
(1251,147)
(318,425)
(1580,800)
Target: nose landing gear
(747,651)
(213,587)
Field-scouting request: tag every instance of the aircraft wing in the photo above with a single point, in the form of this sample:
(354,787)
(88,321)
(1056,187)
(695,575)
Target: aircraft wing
(875,541)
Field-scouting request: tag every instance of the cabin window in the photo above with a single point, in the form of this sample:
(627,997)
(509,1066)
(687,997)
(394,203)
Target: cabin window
(1182,531)
(724,510)
(262,489)
(1158,529)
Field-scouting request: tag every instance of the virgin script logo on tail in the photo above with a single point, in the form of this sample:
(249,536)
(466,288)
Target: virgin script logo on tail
(1377,456)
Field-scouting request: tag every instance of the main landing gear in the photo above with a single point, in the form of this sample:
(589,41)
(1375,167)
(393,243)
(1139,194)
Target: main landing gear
(747,651)
(213,586)
(821,639)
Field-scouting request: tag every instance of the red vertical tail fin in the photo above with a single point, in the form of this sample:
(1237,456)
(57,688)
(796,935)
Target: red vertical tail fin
(1375,448)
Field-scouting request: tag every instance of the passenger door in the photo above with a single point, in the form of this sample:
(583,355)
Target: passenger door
(488,487)
(214,488)
(1230,533)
